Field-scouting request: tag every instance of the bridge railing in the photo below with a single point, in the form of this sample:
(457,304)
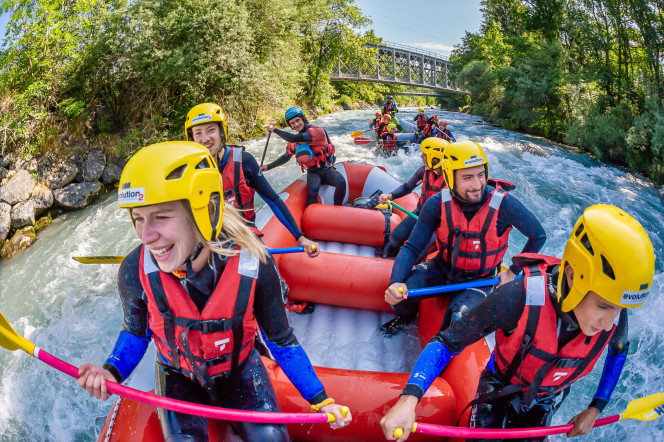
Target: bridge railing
(394,63)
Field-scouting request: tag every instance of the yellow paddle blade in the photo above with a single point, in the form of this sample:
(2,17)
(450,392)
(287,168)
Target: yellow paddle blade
(98,259)
(382,206)
(357,134)
(646,408)
(12,340)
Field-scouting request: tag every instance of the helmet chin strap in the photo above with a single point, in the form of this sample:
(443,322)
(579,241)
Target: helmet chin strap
(192,257)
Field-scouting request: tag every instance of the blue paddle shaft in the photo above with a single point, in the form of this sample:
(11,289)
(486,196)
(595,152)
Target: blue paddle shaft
(285,250)
(454,287)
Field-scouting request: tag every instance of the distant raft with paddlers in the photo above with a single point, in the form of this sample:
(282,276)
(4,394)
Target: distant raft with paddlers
(346,274)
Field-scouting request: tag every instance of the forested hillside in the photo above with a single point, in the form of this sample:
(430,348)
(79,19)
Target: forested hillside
(584,72)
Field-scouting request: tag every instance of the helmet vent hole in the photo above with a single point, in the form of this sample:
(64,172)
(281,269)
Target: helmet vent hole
(586,243)
(203,164)
(607,269)
(579,230)
(176,173)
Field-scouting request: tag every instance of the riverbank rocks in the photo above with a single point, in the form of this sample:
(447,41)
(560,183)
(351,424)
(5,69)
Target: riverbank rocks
(41,198)
(112,173)
(92,166)
(18,188)
(23,214)
(5,220)
(58,175)
(77,196)
(22,239)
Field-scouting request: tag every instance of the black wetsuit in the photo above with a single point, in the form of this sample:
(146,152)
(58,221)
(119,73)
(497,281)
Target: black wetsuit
(316,176)
(248,388)
(435,272)
(255,179)
(501,310)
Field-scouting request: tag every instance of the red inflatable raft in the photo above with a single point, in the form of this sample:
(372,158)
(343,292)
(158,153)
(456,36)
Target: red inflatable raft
(348,237)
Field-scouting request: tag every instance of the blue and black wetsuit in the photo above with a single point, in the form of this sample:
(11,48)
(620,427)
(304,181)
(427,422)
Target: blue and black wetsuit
(247,388)
(501,310)
(435,272)
(316,176)
(255,179)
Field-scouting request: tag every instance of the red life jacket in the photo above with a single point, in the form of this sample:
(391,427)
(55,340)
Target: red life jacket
(431,185)
(390,142)
(471,248)
(388,107)
(443,135)
(320,145)
(421,121)
(206,344)
(528,358)
(236,190)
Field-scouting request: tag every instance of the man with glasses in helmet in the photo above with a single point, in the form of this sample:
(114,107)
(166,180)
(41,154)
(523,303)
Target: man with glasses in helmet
(313,151)
(471,220)
(551,328)
(430,174)
(206,124)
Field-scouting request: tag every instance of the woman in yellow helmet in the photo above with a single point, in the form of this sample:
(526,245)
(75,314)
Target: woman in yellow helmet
(551,328)
(206,284)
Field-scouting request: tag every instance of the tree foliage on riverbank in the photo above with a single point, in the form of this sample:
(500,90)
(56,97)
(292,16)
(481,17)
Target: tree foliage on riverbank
(126,72)
(585,72)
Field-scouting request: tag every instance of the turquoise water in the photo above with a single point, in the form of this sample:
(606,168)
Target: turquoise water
(73,310)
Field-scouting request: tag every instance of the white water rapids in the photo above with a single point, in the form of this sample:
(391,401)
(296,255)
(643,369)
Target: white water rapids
(73,311)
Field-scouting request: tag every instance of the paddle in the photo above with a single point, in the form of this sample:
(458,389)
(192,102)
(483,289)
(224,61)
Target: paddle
(11,340)
(265,149)
(92,259)
(392,203)
(644,409)
(362,140)
(454,287)
(359,132)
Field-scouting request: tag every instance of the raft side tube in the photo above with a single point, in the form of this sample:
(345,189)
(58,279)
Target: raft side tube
(346,224)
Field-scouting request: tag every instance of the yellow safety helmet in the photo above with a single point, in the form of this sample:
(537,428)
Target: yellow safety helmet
(433,148)
(420,109)
(611,255)
(391,126)
(462,155)
(173,171)
(205,113)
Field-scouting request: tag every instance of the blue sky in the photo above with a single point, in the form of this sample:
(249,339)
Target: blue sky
(435,25)
(432,25)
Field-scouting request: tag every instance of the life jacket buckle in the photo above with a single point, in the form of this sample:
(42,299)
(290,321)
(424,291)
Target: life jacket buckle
(568,362)
(213,326)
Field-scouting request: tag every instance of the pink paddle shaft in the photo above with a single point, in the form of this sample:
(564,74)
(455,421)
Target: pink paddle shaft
(187,407)
(510,433)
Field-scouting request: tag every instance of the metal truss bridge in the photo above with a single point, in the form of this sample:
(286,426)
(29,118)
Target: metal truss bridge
(393,63)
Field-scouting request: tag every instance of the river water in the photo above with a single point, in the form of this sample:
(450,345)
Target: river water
(73,311)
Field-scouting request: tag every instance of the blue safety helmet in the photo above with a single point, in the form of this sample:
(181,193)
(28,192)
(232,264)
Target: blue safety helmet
(303,153)
(390,97)
(293,112)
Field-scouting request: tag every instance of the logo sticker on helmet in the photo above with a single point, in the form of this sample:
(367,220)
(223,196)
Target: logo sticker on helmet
(201,117)
(473,161)
(130,196)
(633,298)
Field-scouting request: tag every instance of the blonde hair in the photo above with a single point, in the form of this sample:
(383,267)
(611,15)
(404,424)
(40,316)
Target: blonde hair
(234,231)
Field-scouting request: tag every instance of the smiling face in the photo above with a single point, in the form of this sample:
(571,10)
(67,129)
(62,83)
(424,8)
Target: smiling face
(594,313)
(167,233)
(209,135)
(296,123)
(469,184)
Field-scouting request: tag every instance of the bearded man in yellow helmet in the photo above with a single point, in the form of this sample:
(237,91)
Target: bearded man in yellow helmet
(471,220)
(551,328)
(205,285)
(430,175)
(206,124)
